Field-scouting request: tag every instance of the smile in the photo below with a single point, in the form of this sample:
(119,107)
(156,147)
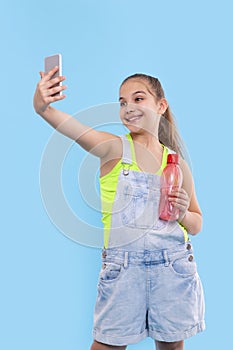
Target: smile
(133,118)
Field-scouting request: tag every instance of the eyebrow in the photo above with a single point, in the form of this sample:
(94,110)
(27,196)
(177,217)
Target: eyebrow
(136,92)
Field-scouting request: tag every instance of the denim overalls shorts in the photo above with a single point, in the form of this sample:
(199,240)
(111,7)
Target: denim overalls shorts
(148,284)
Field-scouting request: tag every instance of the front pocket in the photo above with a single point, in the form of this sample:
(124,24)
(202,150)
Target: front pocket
(185,266)
(110,272)
(140,207)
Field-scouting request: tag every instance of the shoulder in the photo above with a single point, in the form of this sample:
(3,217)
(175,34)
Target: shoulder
(114,148)
(113,156)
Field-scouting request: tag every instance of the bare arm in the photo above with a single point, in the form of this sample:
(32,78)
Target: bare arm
(93,141)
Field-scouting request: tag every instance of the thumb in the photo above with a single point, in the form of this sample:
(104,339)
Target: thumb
(42,75)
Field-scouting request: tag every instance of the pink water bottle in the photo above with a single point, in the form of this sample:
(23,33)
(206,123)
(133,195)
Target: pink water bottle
(171,179)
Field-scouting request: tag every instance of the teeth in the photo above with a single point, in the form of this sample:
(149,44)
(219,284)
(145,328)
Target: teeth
(131,119)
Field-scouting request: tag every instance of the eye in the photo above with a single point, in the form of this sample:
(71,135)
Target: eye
(138,99)
(123,104)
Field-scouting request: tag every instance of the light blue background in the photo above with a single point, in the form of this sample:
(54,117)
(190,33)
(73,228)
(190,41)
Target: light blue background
(48,282)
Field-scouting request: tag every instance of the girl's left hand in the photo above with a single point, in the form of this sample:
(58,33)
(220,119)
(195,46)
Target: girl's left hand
(180,200)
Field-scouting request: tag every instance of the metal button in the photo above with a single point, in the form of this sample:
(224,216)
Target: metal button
(189,246)
(104,254)
(190,258)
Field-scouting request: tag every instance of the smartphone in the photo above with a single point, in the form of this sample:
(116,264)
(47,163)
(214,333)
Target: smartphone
(49,63)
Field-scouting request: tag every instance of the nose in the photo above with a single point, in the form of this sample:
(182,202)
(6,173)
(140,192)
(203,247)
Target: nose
(130,108)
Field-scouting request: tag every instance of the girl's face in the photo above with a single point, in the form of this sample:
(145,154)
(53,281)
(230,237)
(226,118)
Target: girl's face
(139,110)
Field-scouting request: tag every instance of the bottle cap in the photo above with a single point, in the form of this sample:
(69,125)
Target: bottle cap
(173,158)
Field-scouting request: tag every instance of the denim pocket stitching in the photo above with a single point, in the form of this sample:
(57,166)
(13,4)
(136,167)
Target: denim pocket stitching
(184,263)
(107,272)
(139,198)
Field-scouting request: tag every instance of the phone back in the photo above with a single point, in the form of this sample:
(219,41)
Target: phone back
(49,63)
(52,61)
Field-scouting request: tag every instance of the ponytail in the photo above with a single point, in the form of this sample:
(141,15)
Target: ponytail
(168,133)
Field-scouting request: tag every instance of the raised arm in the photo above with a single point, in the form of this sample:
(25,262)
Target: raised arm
(97,142)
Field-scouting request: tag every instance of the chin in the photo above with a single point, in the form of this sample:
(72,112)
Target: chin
(134,129)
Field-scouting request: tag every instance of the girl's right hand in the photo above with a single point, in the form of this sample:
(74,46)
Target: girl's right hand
(45,90)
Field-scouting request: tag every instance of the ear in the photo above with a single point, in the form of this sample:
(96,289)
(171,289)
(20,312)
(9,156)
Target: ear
(163,105)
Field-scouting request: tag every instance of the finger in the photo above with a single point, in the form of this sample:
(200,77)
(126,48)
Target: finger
(179,194)
(55,81)
(51,99)
(184,201)
(42,75)
(181,190)
(179,200)
(56,90)
(49,75)
(45,86)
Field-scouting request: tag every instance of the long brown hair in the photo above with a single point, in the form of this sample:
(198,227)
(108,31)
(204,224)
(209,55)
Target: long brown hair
(168,133)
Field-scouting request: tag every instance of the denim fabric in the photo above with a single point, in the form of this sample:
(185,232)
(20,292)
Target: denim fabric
(135,212)
(148,284)
(148,292)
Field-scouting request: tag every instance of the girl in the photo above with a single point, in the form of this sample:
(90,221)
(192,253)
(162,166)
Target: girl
(148,284)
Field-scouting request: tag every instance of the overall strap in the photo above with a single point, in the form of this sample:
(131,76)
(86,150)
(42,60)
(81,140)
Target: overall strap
(127,155)
(127,160)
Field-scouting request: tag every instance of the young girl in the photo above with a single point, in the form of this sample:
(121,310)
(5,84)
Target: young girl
(148,284)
